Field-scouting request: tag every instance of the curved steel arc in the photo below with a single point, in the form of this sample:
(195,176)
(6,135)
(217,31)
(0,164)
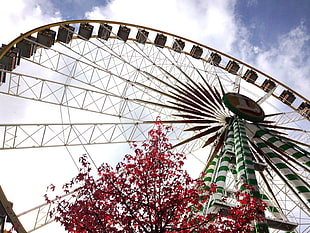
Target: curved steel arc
(24,35)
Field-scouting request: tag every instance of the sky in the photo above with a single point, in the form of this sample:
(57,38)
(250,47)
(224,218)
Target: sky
(271,35)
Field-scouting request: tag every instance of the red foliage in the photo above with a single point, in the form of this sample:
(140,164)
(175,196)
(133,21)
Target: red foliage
(241,218)
(146,192)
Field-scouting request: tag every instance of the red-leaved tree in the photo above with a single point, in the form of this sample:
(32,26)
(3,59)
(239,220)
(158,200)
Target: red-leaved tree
(146,192)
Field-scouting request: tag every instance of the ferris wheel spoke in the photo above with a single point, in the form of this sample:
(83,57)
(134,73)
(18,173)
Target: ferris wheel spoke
(172,61)
(284,147)
(286,174)
(84,72)
(136,83)
(236,88)
(199,98)
(272,203)
(281,127)
(285,117)
(53,135)
(20,136)
(52,92)
(296,136)
(281,194)
(160,68)
(40,214)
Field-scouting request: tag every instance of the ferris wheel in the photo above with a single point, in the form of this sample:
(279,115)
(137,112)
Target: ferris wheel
(101,84)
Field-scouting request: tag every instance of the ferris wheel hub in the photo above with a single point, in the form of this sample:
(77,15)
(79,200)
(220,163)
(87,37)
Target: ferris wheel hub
(244,107)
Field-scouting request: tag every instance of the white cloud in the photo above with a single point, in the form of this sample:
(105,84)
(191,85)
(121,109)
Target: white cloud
(19,16)
(287,60)
(251,3)
(209,22)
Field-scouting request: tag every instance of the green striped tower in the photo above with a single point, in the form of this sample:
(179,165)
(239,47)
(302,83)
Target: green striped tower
(223,168)
(244,157)
(245,165)
(221,171)
(208,179)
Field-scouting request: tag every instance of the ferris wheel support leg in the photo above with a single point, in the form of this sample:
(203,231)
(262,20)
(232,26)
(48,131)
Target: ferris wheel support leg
(220,173)
(220,181)
(208,178)
(245,168)
(9,213)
